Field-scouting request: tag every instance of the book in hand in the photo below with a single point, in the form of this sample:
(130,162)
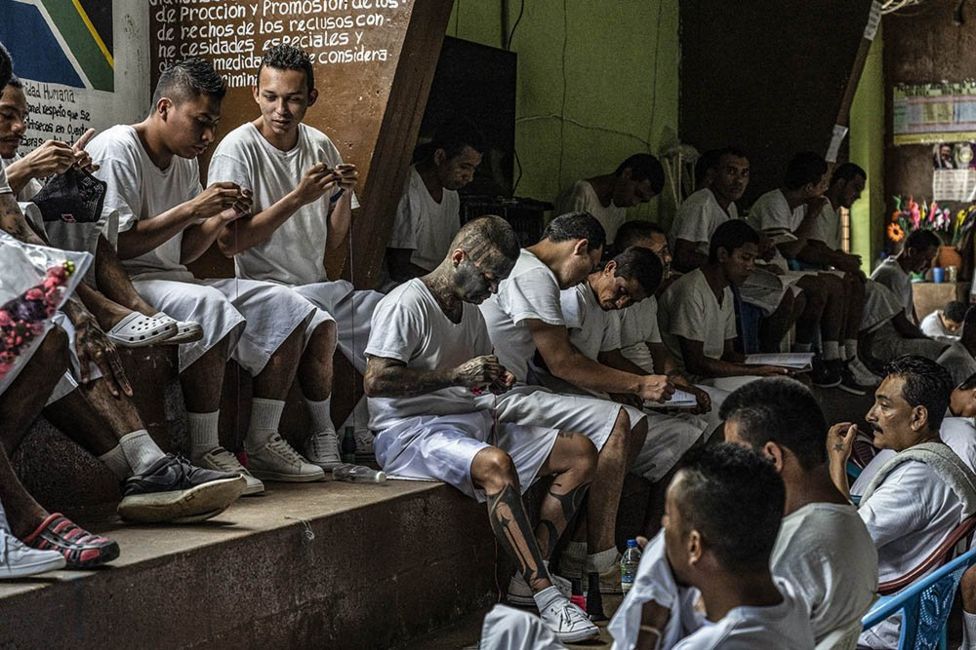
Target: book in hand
(679,400)
(793,360)
(779,236)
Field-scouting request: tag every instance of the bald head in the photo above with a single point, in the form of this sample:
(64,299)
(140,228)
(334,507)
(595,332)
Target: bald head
(489,241)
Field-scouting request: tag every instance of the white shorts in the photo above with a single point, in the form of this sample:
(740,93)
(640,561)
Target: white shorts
(352,311)
(256,316)
(591,416)
(442,447)
(765,290)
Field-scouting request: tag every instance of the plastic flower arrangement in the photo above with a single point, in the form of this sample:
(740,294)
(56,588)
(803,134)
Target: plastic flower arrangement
(963,224)
(23,318)
(909,216)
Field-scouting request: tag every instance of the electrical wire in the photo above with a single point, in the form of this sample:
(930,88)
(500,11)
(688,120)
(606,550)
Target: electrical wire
(562,108)
(511,34)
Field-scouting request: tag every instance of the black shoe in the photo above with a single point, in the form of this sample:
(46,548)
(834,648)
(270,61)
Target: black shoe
(173,490)
(825,374)
(849,384)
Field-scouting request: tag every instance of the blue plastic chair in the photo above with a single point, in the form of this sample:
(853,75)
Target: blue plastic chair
(925,606)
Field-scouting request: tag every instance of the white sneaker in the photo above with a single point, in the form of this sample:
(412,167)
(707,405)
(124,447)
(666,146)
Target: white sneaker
(364,446)
(861,373)
(520,594)
(222,460)
(322,449)
(18,560)
(277,461)
(568,622)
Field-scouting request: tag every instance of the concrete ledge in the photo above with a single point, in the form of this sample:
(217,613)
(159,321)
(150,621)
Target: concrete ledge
(332,565)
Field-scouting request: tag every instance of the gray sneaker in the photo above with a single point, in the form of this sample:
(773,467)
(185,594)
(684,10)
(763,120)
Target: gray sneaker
(277,461)
(222,460)
(322,449)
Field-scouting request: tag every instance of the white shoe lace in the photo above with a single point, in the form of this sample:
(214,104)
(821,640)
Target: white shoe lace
(324,446)
(226,462)
(278,446)
(572,617)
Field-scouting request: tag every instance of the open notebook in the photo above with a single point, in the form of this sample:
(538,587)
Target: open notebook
(679,400)
(793,360)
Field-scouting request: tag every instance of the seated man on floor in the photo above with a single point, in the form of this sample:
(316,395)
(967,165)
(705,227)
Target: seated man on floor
(697,317)
(303,199)
(792,212)
(636,180)
(721,526)
(945,324)
(429,362)
(128,320)
(895,272)
(428,215)
(823,547)
(640,333)
(924,491)
(526,319)
(167,221)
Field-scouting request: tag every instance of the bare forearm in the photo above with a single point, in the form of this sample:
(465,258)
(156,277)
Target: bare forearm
(19,175)
(615,359)
(197,239)
(251,231)
(149,234)
(13,222)
(838,474)
(707,367)
(579,370)
(339,220)
(399,381)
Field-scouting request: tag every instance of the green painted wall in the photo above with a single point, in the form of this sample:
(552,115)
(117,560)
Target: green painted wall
(867,150)
(597,82)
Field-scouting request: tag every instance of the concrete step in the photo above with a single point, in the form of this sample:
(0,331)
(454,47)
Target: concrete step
(329,565)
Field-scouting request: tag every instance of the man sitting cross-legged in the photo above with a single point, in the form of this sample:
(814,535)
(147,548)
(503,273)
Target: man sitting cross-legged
(526,319)
(722,519)
(429,360)
(922,493)
(128,320)
(697,315)
(166,220)
(823,547)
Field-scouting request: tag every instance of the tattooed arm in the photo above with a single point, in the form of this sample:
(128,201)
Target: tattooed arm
(391,378)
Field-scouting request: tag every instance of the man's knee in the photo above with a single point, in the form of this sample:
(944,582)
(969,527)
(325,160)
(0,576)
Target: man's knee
(581,451)
(493,470)
(816,298)
(324,336)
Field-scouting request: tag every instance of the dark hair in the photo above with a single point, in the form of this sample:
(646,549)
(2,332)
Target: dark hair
(453,137)
(630,232)
(921,240)
(576,225)
(189,78)
(644,166)
(488,235)
(926,384)
(289,57)
(955,311)
(780,410)
(732,234)
(847,172)
(968,383)
(734,498)
(15,82)
(711,159)
(805,167)
(642,265)
(6,66)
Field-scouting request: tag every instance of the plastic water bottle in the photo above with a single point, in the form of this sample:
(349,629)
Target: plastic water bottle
(357,474)
(628,565)
(349,446)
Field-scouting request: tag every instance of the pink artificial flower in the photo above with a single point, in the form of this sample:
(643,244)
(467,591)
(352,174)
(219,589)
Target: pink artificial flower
(34,294)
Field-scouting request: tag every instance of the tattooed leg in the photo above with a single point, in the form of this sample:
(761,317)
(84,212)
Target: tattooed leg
(573,459)
(492,471)
(608,482)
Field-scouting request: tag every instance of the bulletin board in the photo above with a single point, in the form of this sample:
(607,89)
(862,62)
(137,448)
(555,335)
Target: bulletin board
(933,112)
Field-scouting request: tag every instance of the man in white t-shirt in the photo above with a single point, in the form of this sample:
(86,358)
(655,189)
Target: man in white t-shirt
(722,518)
(922,493)
(128,320)
(526,319)
(430,377)
(167,220)
(945,324)
(917,253)
(303,199)
(636,180)
(428,215)
(823,547)
(726,176)
(697,314)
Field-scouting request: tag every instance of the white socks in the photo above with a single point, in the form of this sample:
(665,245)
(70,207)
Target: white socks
(850,349)
(265,417)
(968,631)
(831,350)
(802,347)
(603,561)
(140,450)
(547,597)
(321,414)
(203,432)
(115,459)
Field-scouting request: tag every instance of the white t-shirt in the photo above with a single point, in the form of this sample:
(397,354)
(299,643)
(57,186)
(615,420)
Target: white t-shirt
(785,626)
(826,228)
(295,252)
(825,551)
(531,292)
(139,190)
(958,361)
(932,327)
(890,274)
(409,326)
(689,309)
(638,327)
(581,197)
(424,225)
(592,330)
(33,186)
(771,211)
(698,217)
(4,186)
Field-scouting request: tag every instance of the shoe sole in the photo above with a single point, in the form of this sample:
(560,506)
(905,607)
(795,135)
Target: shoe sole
(521,601)
(213,497)
(21,571)
(253,490)
(106,555)
(834,384)
(576,637)
(286,478)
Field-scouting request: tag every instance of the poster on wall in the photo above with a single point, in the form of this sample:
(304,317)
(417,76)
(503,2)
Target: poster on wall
(954,171)
(934,112)
(63,54)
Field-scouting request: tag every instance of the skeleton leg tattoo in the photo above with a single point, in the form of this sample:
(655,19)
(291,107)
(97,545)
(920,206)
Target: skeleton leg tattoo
(511,526)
